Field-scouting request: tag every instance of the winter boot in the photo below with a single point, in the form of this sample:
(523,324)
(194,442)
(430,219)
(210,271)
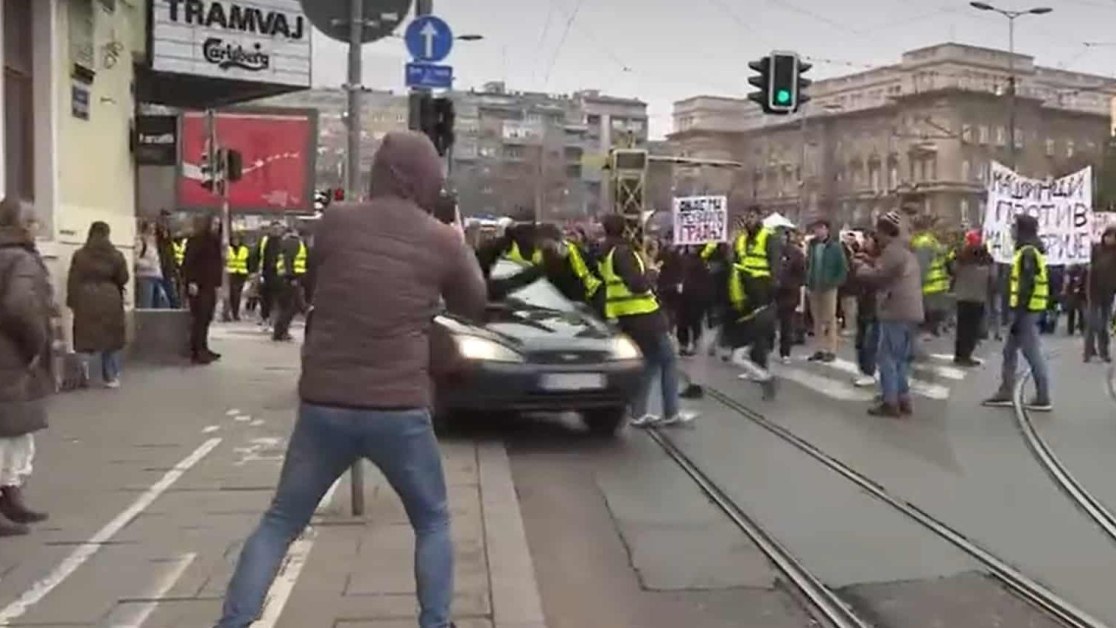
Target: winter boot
(13,507)
(10,528)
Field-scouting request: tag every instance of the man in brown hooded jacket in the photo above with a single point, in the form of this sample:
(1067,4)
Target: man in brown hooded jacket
(383,268)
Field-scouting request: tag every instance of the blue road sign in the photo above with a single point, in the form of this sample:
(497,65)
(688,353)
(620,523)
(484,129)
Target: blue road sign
(429,39)
(429,76)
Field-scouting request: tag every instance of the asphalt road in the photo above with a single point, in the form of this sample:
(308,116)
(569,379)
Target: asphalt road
(622,538)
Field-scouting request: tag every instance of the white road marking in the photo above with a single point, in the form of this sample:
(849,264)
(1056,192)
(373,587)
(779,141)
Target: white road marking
(86,550)
(918,387)
(948,372)
(242,418)
(257,423)
(209,429)
(233,412)
(164,585)
(827,386)
(288,576)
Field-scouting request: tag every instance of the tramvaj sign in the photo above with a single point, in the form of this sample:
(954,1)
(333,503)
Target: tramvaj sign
(260,41)
(1063,208)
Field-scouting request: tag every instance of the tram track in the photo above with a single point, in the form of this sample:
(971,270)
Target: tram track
(825,604)
(825,601)
(1066,481)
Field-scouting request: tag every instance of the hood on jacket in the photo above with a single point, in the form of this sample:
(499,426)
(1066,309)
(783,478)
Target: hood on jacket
(407,166)
(16,236)
(1109,231)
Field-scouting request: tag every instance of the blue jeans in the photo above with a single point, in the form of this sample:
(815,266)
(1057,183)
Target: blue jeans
(150,294)
(327,441)
(659,362)
(110,364)
(1024,336)
(171,293)
(894,359)
(1097,319)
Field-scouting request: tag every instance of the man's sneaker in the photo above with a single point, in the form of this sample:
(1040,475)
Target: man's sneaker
(647,420)
(998,400)
(818,356)
(1039,405)
(682,418)
(828,357)
(864,381)
(786,359)
(884,409)
(112,383)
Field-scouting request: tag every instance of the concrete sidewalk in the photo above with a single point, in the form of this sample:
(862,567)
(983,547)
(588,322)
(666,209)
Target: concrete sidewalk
(359,573)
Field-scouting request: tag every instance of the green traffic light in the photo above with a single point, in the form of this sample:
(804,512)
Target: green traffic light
(783,96)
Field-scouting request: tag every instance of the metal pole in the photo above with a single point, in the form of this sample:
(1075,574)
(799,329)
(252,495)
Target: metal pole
(220,178)
(352,184)
(1011,88)
(802,171)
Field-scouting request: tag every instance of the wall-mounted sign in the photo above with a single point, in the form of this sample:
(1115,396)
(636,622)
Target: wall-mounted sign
(79,101)
(262,41)
(156,140)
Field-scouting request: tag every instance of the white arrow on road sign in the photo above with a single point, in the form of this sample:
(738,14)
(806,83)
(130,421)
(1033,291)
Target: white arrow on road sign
(429,32)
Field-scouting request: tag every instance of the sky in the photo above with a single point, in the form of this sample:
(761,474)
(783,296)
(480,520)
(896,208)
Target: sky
(661,51)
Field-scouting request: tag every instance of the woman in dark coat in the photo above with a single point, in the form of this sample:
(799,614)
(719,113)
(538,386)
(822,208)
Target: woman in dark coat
(95,293)
(26,378)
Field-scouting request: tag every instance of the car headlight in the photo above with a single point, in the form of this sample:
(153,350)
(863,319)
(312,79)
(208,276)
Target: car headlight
(624,349)
(482,349)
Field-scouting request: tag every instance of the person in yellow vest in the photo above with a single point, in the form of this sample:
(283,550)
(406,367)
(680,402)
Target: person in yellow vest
(756,258)
(1028,297)
(236,266)
(290,268)
(933,260)
(631,302)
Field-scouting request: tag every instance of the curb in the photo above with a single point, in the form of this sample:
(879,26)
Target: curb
(516,602)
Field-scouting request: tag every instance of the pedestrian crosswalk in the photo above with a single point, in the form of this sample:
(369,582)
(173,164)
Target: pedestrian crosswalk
(837,379)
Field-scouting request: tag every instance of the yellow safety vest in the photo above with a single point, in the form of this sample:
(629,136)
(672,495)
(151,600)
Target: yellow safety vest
(237,263)
(1041,294)
(516,256)
(581,270)
(750,258)
(619,300)
(709,250)
(262,245)
(299,261)
(937,278)
(179,248)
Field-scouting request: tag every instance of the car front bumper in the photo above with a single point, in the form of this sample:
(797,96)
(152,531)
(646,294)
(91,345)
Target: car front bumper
(506,387)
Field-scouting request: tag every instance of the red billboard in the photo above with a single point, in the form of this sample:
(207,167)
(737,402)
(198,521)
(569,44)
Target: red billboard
(279,147)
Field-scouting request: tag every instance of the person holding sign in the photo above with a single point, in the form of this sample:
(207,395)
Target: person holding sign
(1028,295)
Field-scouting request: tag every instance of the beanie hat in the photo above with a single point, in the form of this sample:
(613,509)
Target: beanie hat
(889,223)
(973,238)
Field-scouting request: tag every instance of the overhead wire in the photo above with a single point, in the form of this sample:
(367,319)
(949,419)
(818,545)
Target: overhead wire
(561,42)
(542,39)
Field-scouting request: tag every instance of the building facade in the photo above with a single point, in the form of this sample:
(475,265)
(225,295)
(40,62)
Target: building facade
(925,129)
(68,112)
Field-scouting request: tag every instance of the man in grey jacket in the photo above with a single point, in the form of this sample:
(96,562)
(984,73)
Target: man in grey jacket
(896,276)
(383,269)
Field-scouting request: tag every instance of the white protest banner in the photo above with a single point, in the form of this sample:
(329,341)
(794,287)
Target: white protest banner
(1063,208)
(700,219)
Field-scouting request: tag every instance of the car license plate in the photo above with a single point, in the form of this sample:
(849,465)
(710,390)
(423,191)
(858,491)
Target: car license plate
(573,381)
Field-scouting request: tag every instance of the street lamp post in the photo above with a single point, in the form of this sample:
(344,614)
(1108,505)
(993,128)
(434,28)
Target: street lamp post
(1011,15)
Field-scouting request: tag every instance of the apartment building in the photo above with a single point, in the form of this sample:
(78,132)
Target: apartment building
(926,129)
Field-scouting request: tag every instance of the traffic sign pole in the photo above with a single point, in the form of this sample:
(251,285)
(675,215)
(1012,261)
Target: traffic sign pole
(352,186)
(422,7)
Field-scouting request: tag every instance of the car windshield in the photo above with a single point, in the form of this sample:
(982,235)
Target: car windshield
(541,293)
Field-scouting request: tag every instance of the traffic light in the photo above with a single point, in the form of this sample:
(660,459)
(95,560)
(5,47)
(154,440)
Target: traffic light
(234,165)
(780,82)
(208,172)
(444,117)
(436,118)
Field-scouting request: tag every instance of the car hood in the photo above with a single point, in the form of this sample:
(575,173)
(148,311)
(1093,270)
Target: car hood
(525,325)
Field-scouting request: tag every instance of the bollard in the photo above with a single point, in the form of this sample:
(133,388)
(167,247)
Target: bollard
(356,483)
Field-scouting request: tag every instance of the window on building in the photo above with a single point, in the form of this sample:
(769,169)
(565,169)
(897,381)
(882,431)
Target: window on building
(893,176)
(966,170)
(1019,133)
(967,133)
(982,134)
(1069,148)
(965,211)
(19,128)
(1001,136)
(1050,147)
